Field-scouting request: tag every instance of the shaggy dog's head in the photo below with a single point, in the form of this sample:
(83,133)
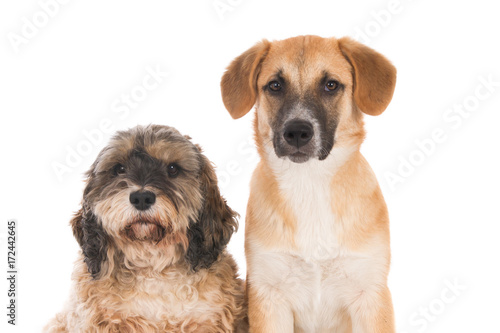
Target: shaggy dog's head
(152,200)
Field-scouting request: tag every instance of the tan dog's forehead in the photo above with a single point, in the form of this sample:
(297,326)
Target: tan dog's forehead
(303,60)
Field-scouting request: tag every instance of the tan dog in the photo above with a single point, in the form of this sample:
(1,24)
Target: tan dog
(317,227)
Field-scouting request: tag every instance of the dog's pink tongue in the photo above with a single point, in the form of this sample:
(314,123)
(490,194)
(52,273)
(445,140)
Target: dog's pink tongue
(144,230)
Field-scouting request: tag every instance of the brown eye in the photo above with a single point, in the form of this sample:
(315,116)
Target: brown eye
(173,170)
(274,86)
(119,169)
(331,86)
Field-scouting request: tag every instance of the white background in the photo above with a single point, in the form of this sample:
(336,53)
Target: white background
(70,73)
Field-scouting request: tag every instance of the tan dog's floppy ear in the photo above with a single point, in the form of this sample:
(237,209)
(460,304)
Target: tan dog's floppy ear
(239,83)
(374,76)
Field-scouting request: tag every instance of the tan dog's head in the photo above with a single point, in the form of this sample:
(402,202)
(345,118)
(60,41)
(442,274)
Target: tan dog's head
(151,199)
(310,92)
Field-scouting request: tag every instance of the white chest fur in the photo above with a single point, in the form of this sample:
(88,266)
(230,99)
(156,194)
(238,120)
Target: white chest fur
(309,197)
(307,189)
(315,278)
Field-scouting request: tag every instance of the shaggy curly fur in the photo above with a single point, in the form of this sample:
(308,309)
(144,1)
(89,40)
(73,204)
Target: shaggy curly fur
(160,264)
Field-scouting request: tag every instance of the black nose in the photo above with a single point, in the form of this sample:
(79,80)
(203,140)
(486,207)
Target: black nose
(142,200)
(298,133)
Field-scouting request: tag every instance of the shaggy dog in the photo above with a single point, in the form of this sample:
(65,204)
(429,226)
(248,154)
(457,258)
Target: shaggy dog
(153,229)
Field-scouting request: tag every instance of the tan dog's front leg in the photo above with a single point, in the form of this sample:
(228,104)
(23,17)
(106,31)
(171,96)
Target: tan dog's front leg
(266,315)
(372,312)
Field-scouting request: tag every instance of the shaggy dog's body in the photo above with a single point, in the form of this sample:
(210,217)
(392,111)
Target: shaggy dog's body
(317,227)
(173,300)
(153,230)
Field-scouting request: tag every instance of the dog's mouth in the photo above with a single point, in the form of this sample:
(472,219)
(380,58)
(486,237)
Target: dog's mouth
(144,229)
(299,157)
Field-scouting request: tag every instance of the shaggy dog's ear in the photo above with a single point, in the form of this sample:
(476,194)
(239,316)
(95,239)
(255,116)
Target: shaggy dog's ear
(92,239)
(209,235)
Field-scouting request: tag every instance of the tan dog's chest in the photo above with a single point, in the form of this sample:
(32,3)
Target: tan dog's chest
(317,291)
(319,275)
(316,288)
(308,194)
